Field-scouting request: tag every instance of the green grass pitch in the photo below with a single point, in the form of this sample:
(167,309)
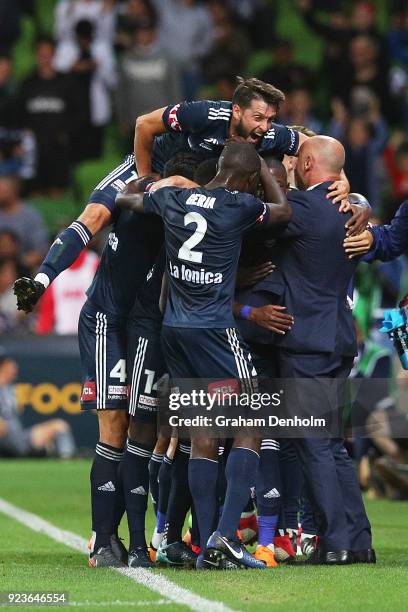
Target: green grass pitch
(58,493)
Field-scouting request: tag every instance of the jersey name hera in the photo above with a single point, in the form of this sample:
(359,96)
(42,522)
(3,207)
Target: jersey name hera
(203,232)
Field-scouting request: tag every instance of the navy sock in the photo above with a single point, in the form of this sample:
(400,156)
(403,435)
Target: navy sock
(104,486)
(164,479)
(154,467)
(240,472)
(136,488)
(202,478)
(180,497)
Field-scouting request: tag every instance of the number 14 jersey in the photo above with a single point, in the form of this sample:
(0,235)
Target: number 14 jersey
(203,234)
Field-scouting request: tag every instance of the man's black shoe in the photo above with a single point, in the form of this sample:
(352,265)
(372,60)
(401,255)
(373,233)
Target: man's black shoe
(363,556)
(338,557)
(104,557)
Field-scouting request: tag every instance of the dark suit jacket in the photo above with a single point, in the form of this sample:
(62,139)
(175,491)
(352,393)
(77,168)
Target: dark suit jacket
(316,273)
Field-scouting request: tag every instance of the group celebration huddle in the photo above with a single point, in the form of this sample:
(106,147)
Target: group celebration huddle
(230,258)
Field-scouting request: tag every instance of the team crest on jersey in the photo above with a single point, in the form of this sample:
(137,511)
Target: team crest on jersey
(113,241)
(173,119)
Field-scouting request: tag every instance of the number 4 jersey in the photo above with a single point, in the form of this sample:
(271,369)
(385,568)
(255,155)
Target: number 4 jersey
(203,232)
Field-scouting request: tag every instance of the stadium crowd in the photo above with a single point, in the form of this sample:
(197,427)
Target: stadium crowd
(106,63)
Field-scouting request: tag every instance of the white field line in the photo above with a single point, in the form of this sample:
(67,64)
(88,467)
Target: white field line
(118,602)
(148,578)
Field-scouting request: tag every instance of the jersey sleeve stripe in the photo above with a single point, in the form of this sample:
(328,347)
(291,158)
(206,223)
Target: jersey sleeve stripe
(114,174)
(80,230)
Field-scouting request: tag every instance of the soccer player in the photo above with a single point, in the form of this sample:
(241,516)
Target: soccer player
(102,336)
(206,126)
(199,335)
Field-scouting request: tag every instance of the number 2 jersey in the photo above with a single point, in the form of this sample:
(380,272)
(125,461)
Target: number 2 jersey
(203,233)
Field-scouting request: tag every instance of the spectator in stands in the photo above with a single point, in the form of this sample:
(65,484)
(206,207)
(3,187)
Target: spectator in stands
(398,48)
(52,437)
(364,137)
(23,220)
(298,110)
(186,33)
(101,13)
(338,30)
(10,248)
(147,77)
(92,66)
(364,73)
(285,73)
(61,304)
(46,105)
(231,47)
(132,14)
(9,317)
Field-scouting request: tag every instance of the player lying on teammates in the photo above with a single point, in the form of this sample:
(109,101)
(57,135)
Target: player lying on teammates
(102,335)
(206,125)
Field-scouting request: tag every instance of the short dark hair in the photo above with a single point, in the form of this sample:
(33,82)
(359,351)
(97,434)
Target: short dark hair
(254,89)
(206,171)
(183,164)
(239,157)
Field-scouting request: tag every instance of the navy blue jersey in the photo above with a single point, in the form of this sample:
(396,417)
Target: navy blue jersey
(203,232)
(130,251)
(146,306)
(206,125)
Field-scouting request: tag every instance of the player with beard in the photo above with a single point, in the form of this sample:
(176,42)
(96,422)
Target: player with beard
(207,125)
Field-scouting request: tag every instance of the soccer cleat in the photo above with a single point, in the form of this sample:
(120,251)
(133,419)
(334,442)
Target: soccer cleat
(119,549)
(28,291)
(139,557)
(177,554)
(248,527)
(284,551)
(266,555)
(219,548)
(104,557)
(218,564)
(308,544)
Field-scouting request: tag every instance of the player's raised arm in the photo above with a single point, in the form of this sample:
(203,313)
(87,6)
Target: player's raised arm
(280,210)
(63,252)
(147,127)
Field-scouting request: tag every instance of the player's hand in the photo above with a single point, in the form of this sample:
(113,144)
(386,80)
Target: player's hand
(358,245)
(339,191)
(358,222)
(251,275)
(28,291)
(3,427)
(272,318)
